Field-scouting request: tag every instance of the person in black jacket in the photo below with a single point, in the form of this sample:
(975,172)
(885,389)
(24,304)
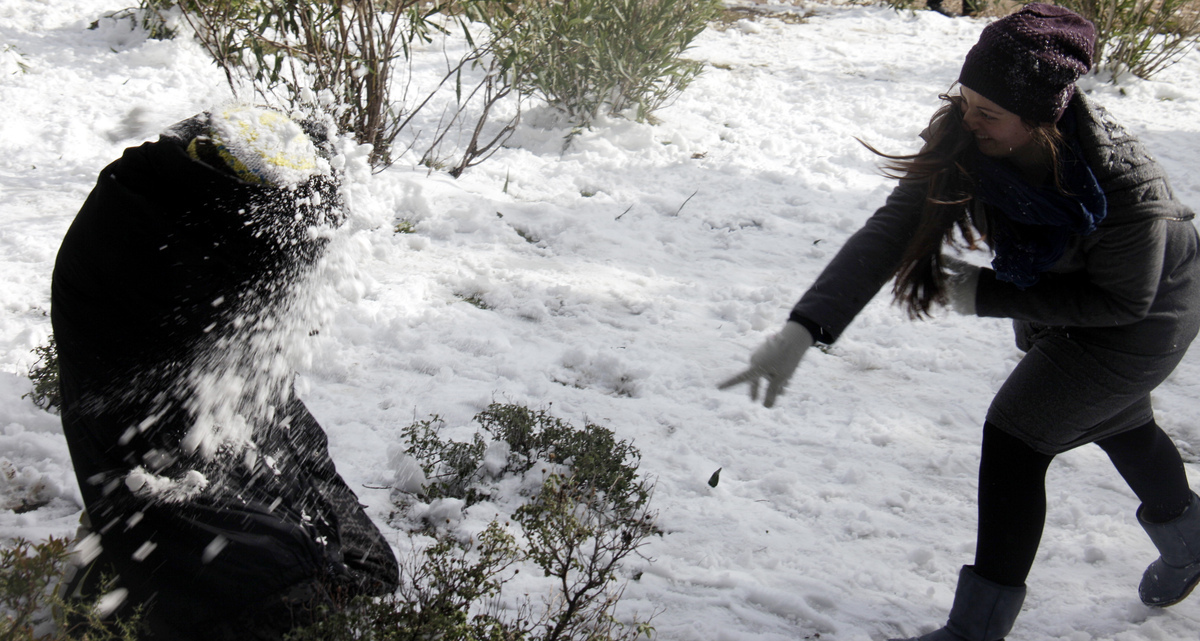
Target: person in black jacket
(212,501)
(1094,260)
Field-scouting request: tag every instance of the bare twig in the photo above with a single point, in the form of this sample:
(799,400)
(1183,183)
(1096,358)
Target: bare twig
(685,202)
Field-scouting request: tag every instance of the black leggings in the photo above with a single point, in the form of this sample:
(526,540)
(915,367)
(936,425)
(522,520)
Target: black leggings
(1012,493)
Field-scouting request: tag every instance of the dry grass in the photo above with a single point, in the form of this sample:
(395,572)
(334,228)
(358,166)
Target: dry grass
(731,15)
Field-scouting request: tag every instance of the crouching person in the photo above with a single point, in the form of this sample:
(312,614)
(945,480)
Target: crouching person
(214,507)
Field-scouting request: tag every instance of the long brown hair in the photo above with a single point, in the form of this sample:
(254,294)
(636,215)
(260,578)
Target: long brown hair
(920,279)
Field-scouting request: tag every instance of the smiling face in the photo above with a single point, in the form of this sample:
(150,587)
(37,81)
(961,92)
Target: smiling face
(999,133)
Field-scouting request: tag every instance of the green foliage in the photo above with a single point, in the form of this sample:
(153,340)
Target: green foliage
(17,57)
(451,467)
(438,591)
(29,576)
(578,528)
(475,300)
(342,57)
(153,16)
(1142,37)
(579,534)
(598,461)
(593,57)
(44,376)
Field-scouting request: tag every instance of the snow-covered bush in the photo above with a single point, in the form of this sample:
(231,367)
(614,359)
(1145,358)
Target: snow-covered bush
(518,440)
(576,495)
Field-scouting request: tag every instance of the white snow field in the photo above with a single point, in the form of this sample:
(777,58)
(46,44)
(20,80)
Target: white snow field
(623,278)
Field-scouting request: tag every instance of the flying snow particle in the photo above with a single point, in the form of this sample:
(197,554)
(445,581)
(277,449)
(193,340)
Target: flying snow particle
(213,549)
(144,551)
(109,603)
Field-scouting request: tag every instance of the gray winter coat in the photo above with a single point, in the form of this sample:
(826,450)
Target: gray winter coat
(1104,327)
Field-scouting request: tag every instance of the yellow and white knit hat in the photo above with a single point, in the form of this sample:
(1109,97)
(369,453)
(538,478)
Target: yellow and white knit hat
(262,145)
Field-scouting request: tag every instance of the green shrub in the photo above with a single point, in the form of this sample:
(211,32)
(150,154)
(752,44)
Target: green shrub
(455,469)
(438,590)
(1141,36)
(44,376)
(579,534)
(593,57)
(577,528)
(452,468)
(598,461)
(32,610)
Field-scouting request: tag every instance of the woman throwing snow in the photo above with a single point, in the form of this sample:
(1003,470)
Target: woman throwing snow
(1093,259)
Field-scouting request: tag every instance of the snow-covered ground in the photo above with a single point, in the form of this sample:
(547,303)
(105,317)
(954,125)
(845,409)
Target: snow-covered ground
(623,278)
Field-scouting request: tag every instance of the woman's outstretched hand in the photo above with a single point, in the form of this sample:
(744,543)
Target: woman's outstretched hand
(775,360)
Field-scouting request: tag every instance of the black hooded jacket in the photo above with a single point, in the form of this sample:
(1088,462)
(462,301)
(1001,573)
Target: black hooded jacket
(169,259)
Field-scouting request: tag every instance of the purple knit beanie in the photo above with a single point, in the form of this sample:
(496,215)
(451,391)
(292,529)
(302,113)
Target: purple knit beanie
(1028,62)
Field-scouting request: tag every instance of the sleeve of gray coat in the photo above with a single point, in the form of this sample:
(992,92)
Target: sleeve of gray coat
(861,267)
(1122,269)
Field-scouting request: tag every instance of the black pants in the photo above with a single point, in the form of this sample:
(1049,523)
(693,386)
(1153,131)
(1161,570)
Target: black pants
(1012,493)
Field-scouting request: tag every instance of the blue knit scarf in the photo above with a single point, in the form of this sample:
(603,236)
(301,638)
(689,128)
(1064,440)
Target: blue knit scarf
(1036,221)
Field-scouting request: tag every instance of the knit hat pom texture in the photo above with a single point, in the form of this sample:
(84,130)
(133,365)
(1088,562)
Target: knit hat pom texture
(1028,62)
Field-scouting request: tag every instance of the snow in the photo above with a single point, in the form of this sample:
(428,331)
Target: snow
(623,277)
(272,147)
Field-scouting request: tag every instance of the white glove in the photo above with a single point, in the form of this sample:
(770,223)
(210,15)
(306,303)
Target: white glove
(962,282)
(775,360)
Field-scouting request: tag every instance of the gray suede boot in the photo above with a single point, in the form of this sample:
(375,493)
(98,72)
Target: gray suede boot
(1173,576)
(982,610)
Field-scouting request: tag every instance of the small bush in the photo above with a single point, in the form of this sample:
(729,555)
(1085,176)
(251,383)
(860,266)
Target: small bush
(455,469)
(1142,37)
(587,58)
(32,610)
(438,590)
(598,461)
(578,528)
(451,467)
(579,534)
(344,58)
(44,376)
